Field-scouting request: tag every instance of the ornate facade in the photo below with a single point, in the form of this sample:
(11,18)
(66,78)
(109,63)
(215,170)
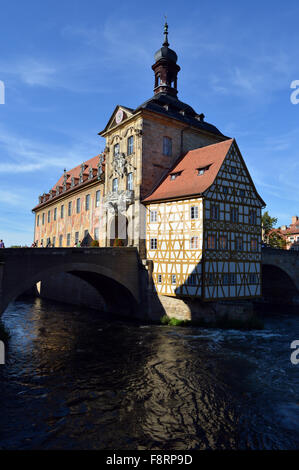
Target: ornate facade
(171,184)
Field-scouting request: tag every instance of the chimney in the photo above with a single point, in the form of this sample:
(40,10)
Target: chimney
(295,219)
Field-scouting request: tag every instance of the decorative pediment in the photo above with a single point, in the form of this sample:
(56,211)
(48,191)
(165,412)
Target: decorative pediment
(120,114)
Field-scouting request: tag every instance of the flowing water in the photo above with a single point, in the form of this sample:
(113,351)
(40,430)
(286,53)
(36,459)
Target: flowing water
(74,379)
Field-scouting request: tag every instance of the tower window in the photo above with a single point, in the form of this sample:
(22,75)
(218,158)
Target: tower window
(211,242)
(173,279)
(214,212)
(167,146)
(62,211)
(130,181)
(130,144)
(69,209)
(114,185)
(116,150)
(55,213)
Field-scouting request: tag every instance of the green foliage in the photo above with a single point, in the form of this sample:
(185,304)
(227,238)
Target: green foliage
(165,320)
(94,243)
(268,222)
(4,334)
(276,241)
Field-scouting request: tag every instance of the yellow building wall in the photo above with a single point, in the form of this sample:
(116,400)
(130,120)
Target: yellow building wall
(174,255)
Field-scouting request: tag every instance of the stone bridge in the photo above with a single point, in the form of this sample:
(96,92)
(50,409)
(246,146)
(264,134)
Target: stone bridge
(280,275)
(117,273)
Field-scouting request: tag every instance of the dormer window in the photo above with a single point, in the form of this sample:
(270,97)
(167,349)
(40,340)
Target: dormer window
(201,171)
(174,176)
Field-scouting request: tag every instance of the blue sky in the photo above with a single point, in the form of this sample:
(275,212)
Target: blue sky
(67,64)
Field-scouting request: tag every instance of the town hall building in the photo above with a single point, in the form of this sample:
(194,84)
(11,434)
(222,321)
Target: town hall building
(170,184)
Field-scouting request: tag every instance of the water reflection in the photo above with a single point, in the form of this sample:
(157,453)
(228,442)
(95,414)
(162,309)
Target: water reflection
(77,380)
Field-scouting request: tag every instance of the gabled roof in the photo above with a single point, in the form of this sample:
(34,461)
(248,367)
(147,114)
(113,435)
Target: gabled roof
(188,183)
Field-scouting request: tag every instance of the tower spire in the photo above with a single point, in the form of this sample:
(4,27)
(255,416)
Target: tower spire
(165,43)
(166,68)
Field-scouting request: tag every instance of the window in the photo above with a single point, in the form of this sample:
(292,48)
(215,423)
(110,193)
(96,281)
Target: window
(62,211)
(37,221)
(174,176)
(153,216)
(116,150)
(201,171)
(229,279)
(130,144)
(234,214)
(68,239)
(87,202)
(191,280)
(210,279)
(211,242)
(239,244)
(49,217)
(159,278)
(153,243)
(78,205)
(194,243)
(173,279)
(252,217)
(76,238)
(96,233)
(214,212)
(55,213)
(60,240)
(130,182)
(253,278)
(69,209)
(233,170)
(114,185)
(253,244)
(54,242)
(242,192)
(223,242)
(194,212)
(98,197)
(167,146)
(225,190)
(43,219)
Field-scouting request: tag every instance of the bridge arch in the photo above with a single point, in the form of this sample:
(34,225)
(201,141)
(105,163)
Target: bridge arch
(103,269)
(278,285)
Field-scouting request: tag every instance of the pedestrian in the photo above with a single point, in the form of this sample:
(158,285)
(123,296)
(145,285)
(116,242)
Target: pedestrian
(2,244)
(78,244)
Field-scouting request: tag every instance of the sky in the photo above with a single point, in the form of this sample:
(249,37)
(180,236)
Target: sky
(66,64)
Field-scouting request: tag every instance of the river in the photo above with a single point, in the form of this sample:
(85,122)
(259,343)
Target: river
(74,379)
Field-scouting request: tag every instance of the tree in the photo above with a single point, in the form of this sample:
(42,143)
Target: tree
(268,224)
(276,240)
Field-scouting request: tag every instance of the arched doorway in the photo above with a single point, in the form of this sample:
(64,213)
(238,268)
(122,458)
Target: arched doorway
(118,230)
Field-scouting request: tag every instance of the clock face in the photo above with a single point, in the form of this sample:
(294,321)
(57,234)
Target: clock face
(119,116)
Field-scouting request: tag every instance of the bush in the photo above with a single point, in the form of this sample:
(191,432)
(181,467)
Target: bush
(165,320)
(94,243)
(117,242)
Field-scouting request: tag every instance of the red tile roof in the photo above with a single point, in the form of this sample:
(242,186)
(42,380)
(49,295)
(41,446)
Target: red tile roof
(188,183)
(74,172)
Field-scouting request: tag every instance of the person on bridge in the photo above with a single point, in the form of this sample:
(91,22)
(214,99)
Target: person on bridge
(2,244)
